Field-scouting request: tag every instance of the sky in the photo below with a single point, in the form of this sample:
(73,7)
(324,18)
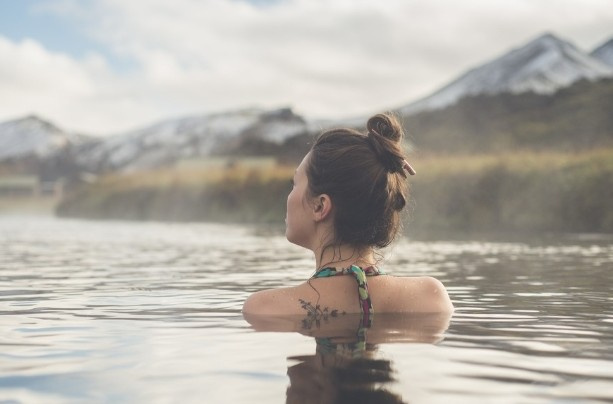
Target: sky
(103,67)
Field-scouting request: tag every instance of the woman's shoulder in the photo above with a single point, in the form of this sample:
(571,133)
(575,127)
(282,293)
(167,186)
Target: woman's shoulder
(280,301)
(333,292)
(423,294)
(270,301)
(419,294)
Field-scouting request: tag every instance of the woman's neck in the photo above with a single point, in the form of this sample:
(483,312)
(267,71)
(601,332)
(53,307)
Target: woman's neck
(343,256)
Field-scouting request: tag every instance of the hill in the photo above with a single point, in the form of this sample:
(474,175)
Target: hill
(543,66)
(604,52)
(574,118)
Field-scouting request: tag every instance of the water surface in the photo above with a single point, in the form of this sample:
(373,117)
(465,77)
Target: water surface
(151,312)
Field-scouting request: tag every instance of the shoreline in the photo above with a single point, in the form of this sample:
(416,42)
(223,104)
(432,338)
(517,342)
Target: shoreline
(30,205)
(417,236)
(525,192)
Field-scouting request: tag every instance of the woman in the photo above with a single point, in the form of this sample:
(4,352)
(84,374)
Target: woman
(346,200)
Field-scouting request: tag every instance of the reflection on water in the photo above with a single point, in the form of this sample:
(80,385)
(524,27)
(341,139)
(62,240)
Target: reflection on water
(340,378)
(346,366)
(344,369)
(150,312)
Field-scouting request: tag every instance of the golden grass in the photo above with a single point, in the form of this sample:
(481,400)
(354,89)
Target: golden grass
(519,161)
(44,205)
(192,177)
(426,165)
(530,190)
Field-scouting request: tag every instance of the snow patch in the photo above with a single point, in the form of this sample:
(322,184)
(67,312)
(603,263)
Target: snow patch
(544,65)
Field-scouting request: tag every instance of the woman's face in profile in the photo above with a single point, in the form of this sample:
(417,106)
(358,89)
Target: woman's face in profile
(298,224)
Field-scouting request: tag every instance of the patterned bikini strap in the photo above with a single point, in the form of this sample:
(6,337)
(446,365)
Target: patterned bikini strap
(331,271)
(360,275)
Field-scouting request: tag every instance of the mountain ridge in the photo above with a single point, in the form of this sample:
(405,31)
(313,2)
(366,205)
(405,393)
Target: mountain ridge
(543,65)
(604,52)
(32,136)
(193,136)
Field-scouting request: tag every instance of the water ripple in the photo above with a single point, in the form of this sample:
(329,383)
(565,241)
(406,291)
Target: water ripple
(125,312)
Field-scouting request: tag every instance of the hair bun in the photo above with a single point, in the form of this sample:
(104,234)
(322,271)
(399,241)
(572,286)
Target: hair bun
(385,135)
(386,126)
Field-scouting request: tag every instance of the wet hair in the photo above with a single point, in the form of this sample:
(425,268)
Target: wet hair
(364,175)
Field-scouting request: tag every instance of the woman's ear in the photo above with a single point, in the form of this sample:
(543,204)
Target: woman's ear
(322,207)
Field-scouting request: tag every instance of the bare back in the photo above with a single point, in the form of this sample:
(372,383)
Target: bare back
(328,296)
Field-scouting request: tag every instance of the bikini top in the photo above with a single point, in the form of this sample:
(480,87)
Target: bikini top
(360,275)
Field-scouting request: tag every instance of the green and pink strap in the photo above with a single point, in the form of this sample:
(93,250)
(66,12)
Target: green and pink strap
(360,276)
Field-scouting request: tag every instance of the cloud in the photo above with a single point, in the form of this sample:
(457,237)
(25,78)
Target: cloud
(79,94)
(325,58)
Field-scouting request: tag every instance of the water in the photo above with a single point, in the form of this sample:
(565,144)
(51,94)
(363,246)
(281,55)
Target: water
(151,312)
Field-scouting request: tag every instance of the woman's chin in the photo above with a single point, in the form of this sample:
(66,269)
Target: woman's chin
(289,236)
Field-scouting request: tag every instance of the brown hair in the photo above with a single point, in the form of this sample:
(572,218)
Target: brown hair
(364,176)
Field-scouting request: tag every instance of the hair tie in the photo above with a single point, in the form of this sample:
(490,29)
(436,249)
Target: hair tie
(407,166)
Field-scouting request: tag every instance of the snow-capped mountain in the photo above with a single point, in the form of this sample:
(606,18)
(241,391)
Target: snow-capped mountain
(172,140)
(604,52)
(32,137)
(543,65)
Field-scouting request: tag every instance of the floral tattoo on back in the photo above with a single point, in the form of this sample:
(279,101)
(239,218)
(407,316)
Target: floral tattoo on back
(315,314)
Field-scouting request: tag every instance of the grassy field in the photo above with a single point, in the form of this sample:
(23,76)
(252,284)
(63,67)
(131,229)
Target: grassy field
(520,191)
(218,194)
(28,205)
(526,191)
